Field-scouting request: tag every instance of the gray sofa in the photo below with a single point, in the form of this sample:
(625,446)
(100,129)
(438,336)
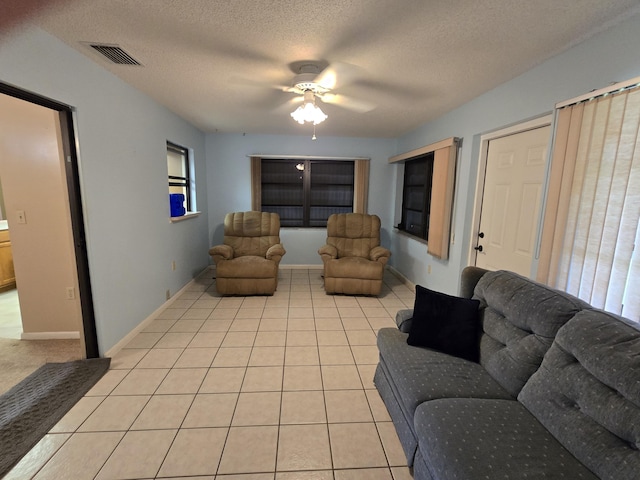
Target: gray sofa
(556,393)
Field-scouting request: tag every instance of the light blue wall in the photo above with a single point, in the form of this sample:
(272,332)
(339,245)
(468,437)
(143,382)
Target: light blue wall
(122,136)
(229,182)
(611,56)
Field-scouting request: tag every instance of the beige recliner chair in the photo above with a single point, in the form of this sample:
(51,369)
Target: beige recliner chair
(247,263)
(353,258)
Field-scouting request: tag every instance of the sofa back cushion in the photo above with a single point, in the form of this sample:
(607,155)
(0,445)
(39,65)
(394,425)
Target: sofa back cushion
(520,319)
(251,233)
(353,234)
(587,393)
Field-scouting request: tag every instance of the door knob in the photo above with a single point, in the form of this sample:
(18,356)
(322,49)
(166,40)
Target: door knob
(478,248)
(481,234)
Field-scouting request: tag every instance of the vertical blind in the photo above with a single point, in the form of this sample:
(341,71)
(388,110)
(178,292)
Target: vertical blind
(591,234)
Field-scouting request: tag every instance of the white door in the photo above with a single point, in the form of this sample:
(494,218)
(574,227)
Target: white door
(512,200)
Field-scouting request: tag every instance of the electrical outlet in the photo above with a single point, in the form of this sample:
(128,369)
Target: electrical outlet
(168,294)
(173,265)
(21,217)
(71,293)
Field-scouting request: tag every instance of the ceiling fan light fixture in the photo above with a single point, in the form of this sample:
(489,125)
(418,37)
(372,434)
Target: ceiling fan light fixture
(309,112)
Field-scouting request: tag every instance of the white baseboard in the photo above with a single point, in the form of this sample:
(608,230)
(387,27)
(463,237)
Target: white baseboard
(144,323)
(402,278)
(301,267)
(49,335)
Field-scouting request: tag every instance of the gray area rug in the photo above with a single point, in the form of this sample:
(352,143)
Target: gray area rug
(31,408)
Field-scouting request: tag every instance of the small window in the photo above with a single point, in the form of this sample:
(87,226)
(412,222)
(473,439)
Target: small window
(178,167)
(416,196)
(306,192)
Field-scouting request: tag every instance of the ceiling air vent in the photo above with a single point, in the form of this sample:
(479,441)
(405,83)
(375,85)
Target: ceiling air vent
(115,54)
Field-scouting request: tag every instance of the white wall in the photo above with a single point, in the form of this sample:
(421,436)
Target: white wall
(122,136)
(229,182)
(609,57)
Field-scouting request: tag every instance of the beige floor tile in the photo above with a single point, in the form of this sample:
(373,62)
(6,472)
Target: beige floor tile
(323,300)
(196,313)
(33,461)
(303,447)
(115,413)
(301,324)
(356,445)
(351,312)
(139,455)
(211,410)
(107,383)
(378,323)
(324,324)
(310,475)
(270,339)
(368,302)
(257,408)
(367,373)
(207,340)
(266,356)
(244,324)
(301,356)
(275,312)
(297,301)
(346,301)
(218,325)
(222,380)
(254,302)
(209,302)
(378,408)
(127,358)
(81,457)
(335,355)
(401,473)
(250,450)
(303,407)
(333,337)
(273,325)
(365,354)
(364,474)
(354,323)
(194,452)
(189,325)
(249,312)
(230,302)
(340,377)
(163,412)
(182,380)
(175,340)
(223,313)
(301,312)
(301,339)
(375,312)
(160,358)
(361,337)
(232,357)
(263,379)
(196,357)
(239,339)
(145,340)
(302,378)
(159,325)
(141,381)
(78,414)
(347,406)
(171,313)
(325,312)
(391,444)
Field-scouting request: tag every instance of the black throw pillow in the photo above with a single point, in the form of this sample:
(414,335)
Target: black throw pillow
(445,323)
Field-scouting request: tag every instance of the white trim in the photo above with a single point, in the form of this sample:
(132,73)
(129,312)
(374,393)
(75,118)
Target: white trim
(402,278)
(305,157)
(482,167)
(186,216)
(447,142)
(49,335)
(634,82)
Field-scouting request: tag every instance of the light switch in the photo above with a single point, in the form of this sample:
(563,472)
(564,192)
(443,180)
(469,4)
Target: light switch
(21,216)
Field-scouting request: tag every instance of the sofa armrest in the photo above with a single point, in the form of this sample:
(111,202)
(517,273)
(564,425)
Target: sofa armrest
(275,252)
(404,319)
(468,280)
(221,252)
(379,254)
(328,252)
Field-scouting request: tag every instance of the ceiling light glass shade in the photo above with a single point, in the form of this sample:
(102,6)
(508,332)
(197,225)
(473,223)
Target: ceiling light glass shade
(309,111)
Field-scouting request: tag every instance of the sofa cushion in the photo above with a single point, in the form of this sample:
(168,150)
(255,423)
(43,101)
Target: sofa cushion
(519,320)
(445,323)
(419,374)
(490,439)
(587,393)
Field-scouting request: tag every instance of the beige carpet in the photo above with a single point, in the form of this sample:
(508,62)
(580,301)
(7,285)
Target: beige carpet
(20,358)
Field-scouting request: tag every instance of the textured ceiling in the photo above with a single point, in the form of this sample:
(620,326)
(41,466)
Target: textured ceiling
(218,63)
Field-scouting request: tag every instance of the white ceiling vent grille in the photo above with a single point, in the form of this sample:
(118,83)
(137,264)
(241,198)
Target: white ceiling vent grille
(115,54)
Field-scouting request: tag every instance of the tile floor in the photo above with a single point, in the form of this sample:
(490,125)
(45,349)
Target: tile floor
(238,388)
(10,317)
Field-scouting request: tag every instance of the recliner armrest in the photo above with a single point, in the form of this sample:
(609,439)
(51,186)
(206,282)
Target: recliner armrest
(379,254)
(221,252)
(328,252)
(404,318)
(275,252)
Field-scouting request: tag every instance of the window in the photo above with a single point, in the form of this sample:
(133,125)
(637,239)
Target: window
(416,196)
(305,192)
(178,167)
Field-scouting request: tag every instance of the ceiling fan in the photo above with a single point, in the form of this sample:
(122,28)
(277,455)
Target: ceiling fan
(318,80)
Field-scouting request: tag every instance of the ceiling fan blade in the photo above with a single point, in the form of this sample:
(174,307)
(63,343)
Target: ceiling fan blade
(350,103)
(338,75)
(289,105)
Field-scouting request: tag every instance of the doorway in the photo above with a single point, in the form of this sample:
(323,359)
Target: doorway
(77,286)
(509,197)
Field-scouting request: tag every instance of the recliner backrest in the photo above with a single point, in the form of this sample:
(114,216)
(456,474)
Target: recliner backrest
(251,233)
(353,234)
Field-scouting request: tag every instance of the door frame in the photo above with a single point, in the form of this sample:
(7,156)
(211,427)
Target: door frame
(70,150)
(532,124)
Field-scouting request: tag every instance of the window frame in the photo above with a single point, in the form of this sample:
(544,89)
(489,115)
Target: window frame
(425,211)
(183,182)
